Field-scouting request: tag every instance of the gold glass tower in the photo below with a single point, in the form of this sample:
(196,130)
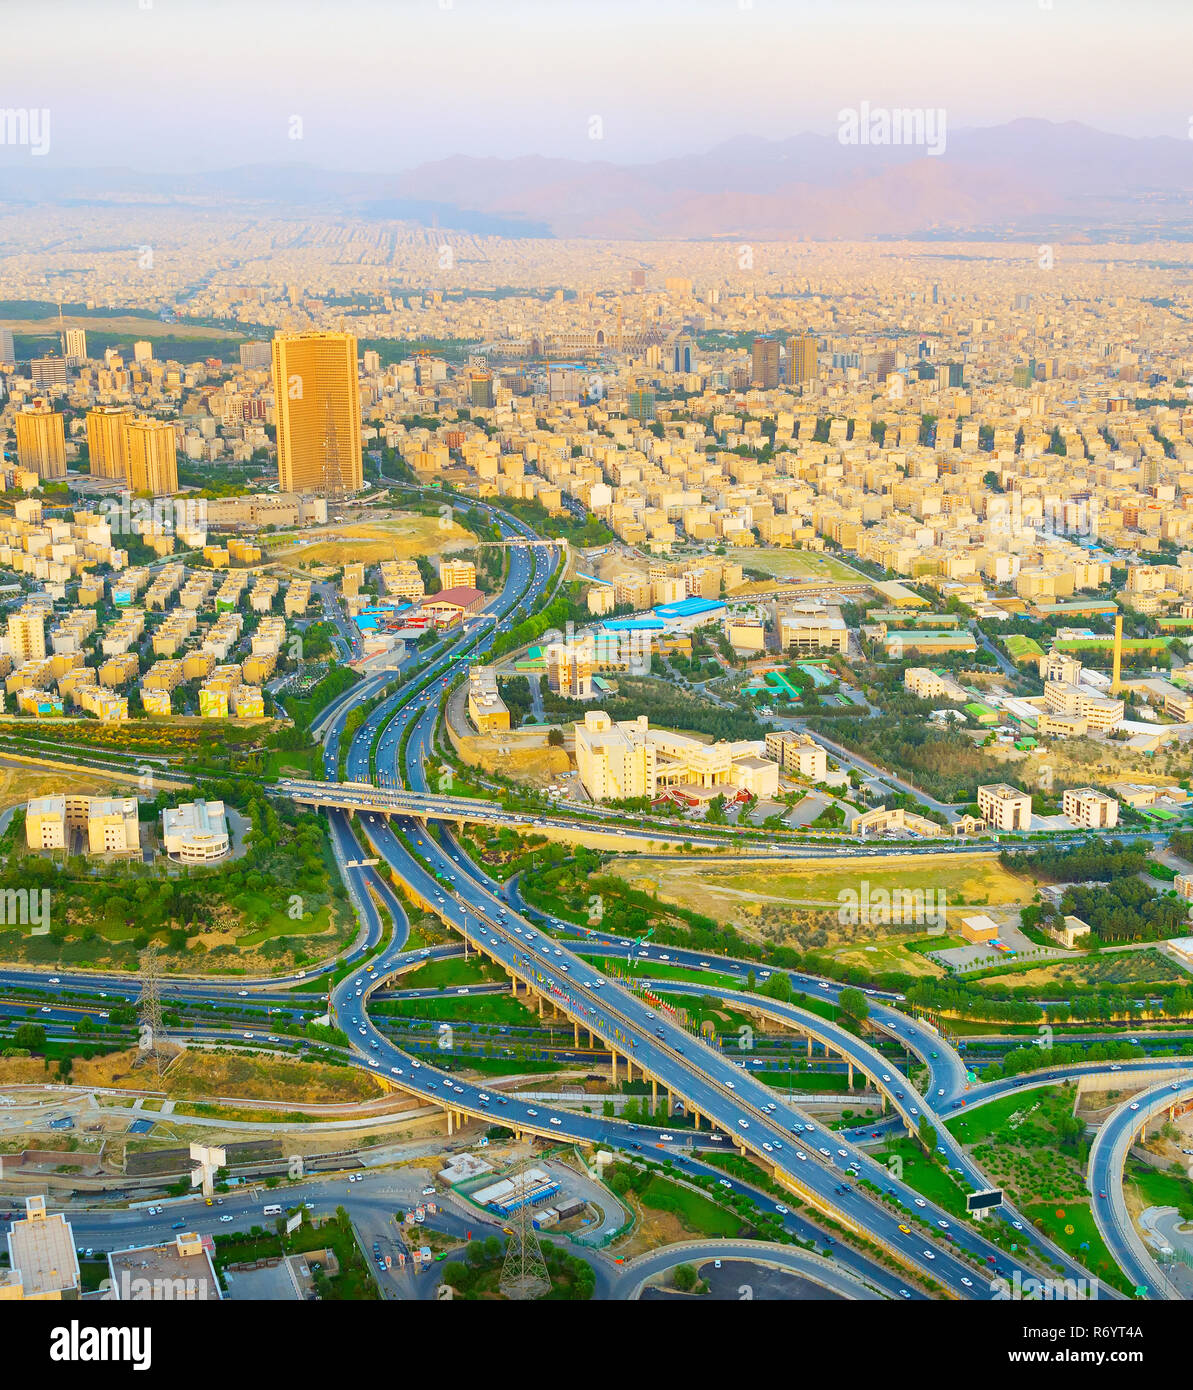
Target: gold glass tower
(105,440)
(41,440)
(316,394)
(151,459)
(802,354)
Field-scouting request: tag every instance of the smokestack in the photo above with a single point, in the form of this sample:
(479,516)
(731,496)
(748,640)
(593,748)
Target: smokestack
(1116,676)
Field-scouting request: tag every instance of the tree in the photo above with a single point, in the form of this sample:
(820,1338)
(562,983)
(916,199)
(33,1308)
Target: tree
(30,1037)
(684,1277)
(853,1002)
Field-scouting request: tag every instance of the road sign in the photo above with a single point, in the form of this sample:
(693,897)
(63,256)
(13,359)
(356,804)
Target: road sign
(983,1201)
(294,1223)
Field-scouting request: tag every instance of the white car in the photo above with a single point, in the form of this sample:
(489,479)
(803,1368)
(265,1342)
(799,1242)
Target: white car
(555,1120)
(919,1201)
(225,1218)
(743,1124)
(928,1255)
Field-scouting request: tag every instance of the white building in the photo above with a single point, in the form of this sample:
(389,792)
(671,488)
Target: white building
(196,832)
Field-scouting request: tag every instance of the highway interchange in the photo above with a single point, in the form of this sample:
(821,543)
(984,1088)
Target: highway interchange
(825,1167)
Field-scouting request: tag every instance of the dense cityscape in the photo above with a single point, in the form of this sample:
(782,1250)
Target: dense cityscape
(558,755)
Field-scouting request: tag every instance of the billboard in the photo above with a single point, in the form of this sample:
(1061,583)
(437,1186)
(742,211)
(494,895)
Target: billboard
(983,1201)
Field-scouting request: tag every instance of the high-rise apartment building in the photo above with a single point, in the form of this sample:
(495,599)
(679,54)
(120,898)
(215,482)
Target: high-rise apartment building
(41,439)
(801,356)
(256,355)
(27,635)
(106,446)
(49,371)
(317,410)
(142,352)
(76,346)
(150,457)
(8,352)
(765,368)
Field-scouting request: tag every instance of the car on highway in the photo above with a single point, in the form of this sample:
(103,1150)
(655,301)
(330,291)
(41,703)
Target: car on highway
(905,1229)
(225,1218)
(919,1201)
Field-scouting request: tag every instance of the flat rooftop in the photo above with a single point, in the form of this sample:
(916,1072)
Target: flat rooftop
(43,1250)
(157,1272)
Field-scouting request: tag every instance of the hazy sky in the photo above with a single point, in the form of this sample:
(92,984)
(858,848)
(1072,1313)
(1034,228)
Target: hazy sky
(388,84)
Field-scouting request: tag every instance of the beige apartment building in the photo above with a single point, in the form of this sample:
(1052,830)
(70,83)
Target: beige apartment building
(487,710)
(111,825)
(798,753)
(456,574)
(811,630)
(1004,808)
(106,446)
(569,669)
(1091,809)
(615,761)
(27,635)
(316,391)
(151,460)
(41,439)
(1100,712)
(931,685)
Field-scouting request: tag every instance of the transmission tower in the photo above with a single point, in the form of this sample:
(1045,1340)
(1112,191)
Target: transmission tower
(524,1274)
(154,1045)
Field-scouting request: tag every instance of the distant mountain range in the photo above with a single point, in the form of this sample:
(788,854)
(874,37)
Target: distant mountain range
(1001,181)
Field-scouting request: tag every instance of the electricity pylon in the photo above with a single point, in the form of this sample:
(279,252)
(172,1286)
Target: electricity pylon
(524,1274)
(153,1043)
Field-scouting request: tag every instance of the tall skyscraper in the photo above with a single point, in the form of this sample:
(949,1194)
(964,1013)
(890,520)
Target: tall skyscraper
(41,439)
(765,370)
(106,447)
(8,352)
(76,346)
(316,392)
(150,457)
(801,354)
(142,352)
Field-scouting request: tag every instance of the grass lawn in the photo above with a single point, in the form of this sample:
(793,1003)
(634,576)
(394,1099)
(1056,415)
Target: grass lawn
(1160,1189)
(653,970)
(697,1212)
(981,1123)
(484,1008)
(446,974)
(789,563)
(926,1177)
(1073,1229)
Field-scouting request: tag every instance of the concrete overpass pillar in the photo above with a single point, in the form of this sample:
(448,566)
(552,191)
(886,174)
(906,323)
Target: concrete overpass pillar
(654,1092)
(576,1034)
(850,1065)
(695,1119)
(450,1131)
(809,1047)
(591,1041)
(613,1060)
(629,1070)
(670,1104)
(540,1006)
